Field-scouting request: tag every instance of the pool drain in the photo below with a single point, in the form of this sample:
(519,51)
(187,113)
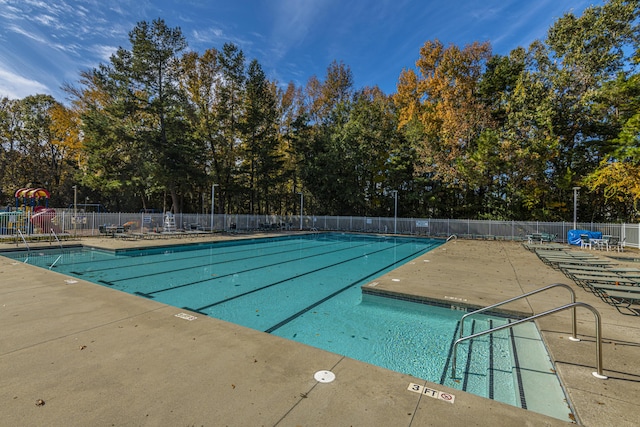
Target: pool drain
(324,376)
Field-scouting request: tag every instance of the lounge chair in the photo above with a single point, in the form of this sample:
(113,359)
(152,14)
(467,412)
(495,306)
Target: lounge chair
(605,272)
(589,280)
(571,258)
(620,297)
(595,268)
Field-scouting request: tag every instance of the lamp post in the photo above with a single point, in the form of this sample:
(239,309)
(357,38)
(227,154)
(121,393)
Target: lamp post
(75,209)
(575,205)
(213,202)
(395,211)
(301,208)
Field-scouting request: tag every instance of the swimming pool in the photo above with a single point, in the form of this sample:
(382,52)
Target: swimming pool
(307,288)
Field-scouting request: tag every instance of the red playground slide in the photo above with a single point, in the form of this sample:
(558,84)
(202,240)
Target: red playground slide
(42,220)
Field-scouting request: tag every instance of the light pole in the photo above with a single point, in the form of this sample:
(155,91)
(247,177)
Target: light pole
(213,202)
(575,205)
(75,209)
(301,208)
(395,211)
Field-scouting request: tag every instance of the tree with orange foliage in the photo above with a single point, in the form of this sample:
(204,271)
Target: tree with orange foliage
(65,130)
(443,100)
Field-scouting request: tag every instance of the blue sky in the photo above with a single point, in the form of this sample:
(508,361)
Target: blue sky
(45,43)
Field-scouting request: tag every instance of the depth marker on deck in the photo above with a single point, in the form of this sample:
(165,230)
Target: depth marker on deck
(436,394)
(186,316)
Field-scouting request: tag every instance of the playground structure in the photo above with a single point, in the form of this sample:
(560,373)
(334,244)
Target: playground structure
(31,213)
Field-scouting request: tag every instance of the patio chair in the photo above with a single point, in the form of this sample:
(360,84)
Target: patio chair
(585,242)
(547,237)
(601,244)
(615,243)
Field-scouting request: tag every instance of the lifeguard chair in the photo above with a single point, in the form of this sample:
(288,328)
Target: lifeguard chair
(169,223)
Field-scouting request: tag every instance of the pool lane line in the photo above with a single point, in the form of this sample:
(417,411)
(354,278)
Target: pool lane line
(180,258)
(443,377)
(396,245)
(491,392)
(201,265)
(115,262)
(339,291)
(523,400)
(291,241)
(151,252)
(465,382)
(414,254)
(211,279)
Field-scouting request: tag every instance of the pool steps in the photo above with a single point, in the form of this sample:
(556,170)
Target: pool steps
(487,367)
(502,369)
(538,374)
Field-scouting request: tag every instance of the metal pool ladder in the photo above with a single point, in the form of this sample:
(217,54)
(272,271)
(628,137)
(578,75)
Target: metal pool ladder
(598,374)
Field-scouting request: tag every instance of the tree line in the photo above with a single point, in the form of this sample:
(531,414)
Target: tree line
(468,133)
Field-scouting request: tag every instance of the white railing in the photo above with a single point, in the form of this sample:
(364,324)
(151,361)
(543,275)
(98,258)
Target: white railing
(91,224)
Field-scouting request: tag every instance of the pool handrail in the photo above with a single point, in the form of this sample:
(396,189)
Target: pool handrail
(55,262)
(61,248)
(598,374)
(25,243)
(56,236)
(554,285)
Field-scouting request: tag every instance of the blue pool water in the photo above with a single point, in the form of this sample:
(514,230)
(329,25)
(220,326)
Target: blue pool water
(307,288)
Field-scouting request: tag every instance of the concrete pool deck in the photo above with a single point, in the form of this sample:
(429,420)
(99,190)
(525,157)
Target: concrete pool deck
(82,354)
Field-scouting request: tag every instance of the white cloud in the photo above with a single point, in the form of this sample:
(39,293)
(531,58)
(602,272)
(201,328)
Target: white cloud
(208,35)
(9,12)
(104,52)
(15,86)
(48,20)
(30,35)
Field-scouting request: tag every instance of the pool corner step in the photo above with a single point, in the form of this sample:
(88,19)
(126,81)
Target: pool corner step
(484,366)
(539,379)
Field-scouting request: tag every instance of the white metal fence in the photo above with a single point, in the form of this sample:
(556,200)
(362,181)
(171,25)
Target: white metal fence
(93,224)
